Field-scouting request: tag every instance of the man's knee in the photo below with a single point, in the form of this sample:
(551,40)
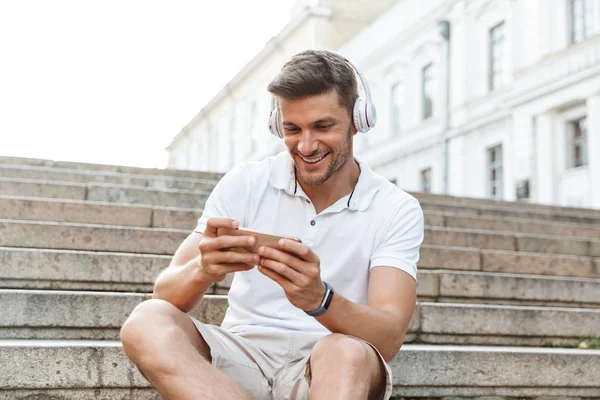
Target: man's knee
(153,325)
(355,361)
(148,314)
(351,352)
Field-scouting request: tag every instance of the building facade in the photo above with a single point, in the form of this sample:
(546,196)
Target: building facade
(481,98)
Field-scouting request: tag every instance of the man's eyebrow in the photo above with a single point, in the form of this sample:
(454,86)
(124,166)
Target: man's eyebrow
(328,120)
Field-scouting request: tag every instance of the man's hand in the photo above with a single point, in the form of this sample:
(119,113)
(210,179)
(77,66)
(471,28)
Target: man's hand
(297,270)
(215,260)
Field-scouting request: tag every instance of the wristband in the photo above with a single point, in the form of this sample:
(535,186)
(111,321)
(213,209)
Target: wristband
(324,304)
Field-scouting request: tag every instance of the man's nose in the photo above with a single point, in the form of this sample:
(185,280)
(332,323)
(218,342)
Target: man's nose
(308,143)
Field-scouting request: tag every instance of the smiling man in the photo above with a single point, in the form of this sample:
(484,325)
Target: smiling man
(318,319)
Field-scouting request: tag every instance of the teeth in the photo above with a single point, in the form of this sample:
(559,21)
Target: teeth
(312,161)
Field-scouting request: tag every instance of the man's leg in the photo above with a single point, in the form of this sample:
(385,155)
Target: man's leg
(343,367)
(169,351)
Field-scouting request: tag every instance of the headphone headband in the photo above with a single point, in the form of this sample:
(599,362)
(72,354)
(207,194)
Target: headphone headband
(361,77)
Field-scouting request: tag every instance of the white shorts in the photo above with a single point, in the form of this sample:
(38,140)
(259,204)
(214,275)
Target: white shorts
(270,365)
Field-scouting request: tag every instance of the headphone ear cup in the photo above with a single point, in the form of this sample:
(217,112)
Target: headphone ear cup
(273,123)
(364,115)
(371,115)
(358,116)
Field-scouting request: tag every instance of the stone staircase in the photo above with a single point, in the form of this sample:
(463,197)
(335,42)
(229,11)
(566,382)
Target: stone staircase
(507,292)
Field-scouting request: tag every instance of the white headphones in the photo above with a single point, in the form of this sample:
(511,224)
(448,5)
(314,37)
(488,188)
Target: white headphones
(364,113)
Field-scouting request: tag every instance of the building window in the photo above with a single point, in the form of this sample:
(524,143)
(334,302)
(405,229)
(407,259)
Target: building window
(427,91)
(577,131)
(426,180)
(495,172)
(496,73)
(396,95)
(583,23)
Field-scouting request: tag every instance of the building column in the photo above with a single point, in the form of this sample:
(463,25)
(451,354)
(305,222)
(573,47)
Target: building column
(545,173)
(593,149)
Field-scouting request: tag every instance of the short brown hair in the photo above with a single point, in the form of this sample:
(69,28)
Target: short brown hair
(314,72)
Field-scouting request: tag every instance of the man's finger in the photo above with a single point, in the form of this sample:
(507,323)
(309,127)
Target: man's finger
(298,249)
(215,223)
(289,259)
(227,242)
(283,270)
(232,257)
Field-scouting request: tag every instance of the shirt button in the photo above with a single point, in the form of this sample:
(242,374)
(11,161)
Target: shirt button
(313,222)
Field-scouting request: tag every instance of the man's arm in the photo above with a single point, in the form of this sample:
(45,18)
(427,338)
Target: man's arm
(392,283)
(201,260)
(384,321)
(185,281)
(182,283)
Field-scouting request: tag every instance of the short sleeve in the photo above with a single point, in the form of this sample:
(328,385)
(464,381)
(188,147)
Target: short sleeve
(400,244)
(227,199)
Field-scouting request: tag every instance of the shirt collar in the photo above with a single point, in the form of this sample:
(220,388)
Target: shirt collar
(282,177)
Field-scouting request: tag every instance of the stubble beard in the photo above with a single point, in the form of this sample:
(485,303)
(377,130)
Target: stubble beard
(335,163)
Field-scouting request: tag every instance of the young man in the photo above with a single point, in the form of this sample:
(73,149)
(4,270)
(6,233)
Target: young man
(317,319)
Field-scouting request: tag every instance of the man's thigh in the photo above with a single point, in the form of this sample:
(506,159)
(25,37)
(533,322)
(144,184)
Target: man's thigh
(269,365)
(237,357)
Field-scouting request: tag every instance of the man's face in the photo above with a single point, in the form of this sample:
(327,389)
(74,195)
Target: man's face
(318,135)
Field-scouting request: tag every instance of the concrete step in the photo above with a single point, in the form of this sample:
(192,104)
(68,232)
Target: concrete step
(73,369)
(504,325)
(42,314)
(508,224)
(78,211)
(82,394)
(532,243)
(21,161)
(473,201)
(69,236)
(83,176)
(72,236)
(53,314)
(516,289)
(511,212)
(91,212)
(48,190)
(23,268)
(103,192)
(516,262)
(434,371)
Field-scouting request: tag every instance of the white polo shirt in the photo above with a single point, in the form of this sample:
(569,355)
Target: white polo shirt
(383,226)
